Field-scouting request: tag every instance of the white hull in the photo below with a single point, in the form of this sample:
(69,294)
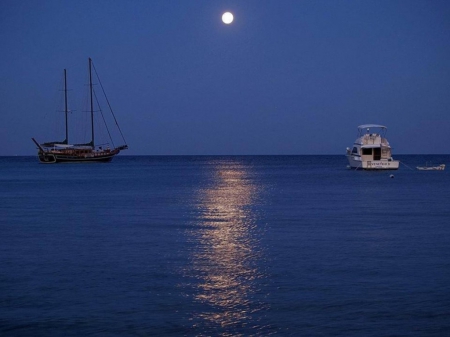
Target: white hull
(431,168)
(357,163)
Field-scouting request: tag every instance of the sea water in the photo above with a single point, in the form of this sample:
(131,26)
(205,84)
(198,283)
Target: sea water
(224,246)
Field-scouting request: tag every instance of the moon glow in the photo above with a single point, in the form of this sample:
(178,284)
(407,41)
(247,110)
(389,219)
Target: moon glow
(227,18)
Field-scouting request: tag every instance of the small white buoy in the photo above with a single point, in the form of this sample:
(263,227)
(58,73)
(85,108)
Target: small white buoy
(391,176)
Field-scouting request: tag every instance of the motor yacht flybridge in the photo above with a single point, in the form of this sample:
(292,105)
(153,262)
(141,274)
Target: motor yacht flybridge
(371,150)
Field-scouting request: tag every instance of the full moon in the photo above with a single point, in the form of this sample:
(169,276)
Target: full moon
(227,18)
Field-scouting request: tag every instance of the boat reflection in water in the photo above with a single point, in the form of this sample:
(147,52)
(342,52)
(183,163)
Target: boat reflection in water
(226,252)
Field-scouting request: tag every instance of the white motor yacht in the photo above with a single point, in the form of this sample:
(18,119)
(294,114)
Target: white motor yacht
(371,150)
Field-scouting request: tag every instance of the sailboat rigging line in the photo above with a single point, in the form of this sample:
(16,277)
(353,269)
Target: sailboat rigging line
(103,117)
(107,100)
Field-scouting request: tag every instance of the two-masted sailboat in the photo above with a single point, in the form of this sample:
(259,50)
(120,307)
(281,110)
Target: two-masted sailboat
(64,152)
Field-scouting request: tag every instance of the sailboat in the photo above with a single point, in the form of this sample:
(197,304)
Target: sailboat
(64,152)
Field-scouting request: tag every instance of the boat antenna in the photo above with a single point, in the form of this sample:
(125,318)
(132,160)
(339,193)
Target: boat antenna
(107,100)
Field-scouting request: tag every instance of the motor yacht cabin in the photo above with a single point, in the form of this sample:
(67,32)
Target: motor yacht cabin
(371,150)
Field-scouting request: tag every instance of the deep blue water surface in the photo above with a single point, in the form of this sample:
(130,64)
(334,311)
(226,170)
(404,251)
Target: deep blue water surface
(224,246)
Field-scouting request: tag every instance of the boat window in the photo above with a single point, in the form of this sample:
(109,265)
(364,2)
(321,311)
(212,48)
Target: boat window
(355,150)
(367,151)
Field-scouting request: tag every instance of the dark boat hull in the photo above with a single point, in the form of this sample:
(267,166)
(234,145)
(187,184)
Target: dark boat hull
(53,158)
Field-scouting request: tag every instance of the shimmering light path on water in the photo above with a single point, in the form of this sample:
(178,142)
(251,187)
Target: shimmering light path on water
(227,251)
(272,245)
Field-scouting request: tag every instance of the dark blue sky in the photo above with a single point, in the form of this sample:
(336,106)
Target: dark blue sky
(286,77)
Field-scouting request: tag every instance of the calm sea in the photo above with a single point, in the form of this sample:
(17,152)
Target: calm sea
(224,246)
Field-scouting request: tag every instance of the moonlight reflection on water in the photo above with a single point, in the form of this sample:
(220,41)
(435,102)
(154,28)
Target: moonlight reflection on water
(226,249)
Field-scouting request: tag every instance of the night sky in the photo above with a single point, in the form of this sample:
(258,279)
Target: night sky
(286,77)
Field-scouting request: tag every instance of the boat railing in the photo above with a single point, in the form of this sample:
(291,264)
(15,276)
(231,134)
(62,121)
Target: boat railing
(374,139)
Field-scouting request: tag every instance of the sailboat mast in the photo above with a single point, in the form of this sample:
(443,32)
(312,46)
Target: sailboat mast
(65,107)
(92,101)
